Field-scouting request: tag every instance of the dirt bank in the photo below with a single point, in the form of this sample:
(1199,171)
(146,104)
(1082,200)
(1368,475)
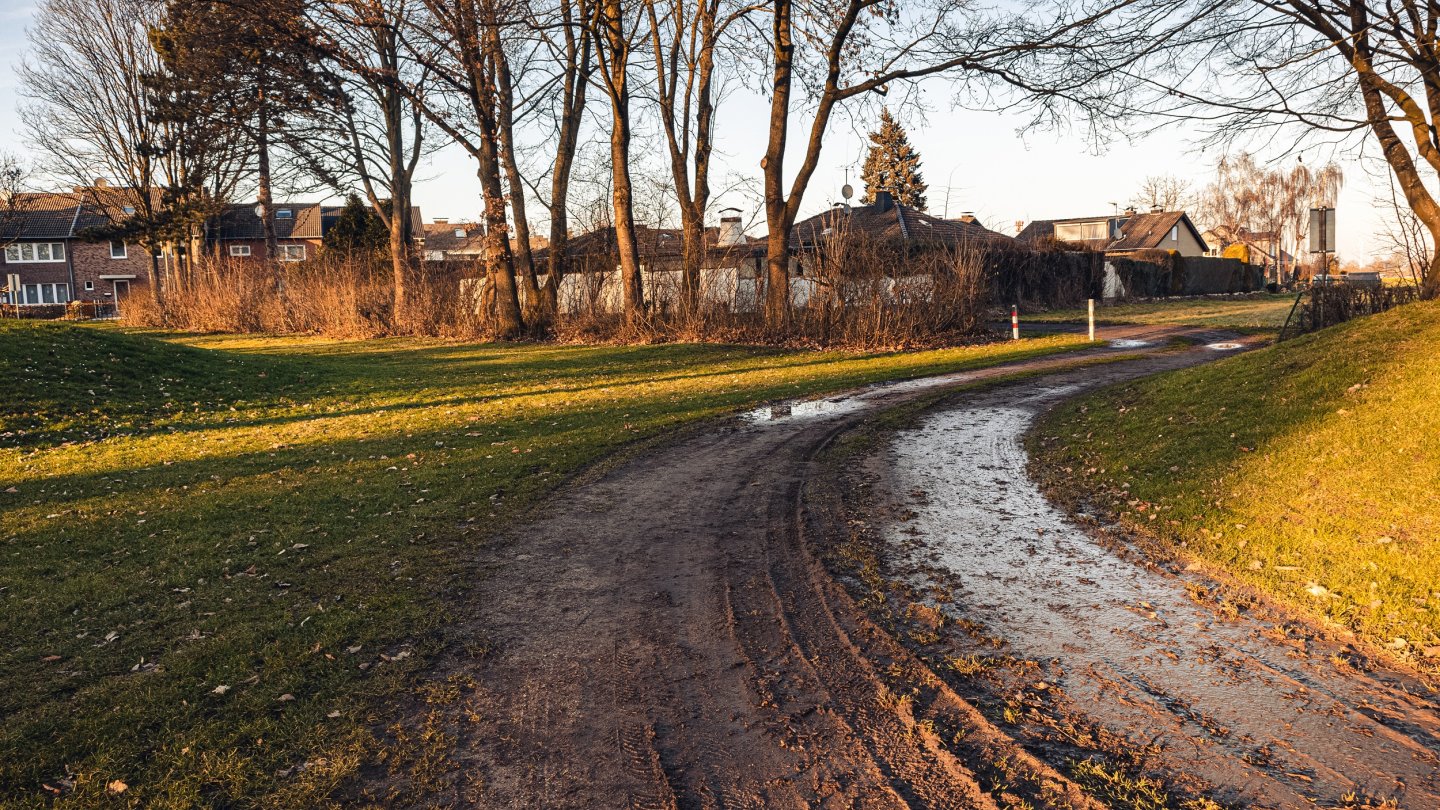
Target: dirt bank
(663,638)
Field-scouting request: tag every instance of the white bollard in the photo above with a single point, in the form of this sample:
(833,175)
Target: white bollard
(1092,320)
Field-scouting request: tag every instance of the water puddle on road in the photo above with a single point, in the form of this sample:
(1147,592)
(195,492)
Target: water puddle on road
(1129,343)
(1224,347)
(1219,698)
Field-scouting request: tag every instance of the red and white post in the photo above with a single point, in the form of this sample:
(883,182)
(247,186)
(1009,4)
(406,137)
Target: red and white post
(1092,320)
(1015,322)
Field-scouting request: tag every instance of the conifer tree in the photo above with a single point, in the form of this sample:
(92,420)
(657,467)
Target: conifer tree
(358,231)
(893,165)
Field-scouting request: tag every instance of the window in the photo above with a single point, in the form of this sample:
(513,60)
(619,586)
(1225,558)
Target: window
(89,285)
(292,253)
(35,252)
(459,233)
(117,250)
(44,294)
(284,213)
(239,250)
(129,209)
(1174,233)
(1080,231)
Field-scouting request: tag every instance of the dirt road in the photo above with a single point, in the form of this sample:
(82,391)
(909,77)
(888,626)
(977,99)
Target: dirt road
(664,638)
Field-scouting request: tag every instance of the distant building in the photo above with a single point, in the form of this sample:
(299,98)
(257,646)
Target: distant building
(1121,234)
(447,241)
(47,261)
(239,234)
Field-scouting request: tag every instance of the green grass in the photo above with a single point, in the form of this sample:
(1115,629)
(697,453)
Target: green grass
(1309,469)
(222,556)
(1262,311)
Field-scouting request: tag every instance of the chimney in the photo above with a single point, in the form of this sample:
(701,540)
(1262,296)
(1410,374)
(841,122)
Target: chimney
(731,231)
(1019,225)
(442,220)
(1156,208)
(967,217)
(1129,210)
(884,200)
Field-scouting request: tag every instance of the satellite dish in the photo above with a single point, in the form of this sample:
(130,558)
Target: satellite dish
(847,191)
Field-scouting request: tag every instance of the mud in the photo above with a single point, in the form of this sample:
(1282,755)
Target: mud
(663,637)
(1228,704)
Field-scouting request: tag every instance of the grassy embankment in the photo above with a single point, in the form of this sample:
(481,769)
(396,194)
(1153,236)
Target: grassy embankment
(1309,470)
(220,556)
(1265,312)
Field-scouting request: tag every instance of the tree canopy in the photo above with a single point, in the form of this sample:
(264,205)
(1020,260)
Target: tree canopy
(893,165)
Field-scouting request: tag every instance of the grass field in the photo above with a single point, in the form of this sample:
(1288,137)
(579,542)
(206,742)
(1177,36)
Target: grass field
(1262,311)
(1310,470)
(221,555)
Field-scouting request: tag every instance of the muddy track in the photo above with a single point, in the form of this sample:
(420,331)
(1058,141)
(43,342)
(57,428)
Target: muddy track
(663,637)
(1095,650)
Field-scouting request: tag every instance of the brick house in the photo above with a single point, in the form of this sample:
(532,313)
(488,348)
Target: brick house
(239,234)
(46,260)
(300,228)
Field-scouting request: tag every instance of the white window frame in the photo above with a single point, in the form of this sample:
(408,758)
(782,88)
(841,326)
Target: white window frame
(284,213)
(89,285)
(1174,233)
(18,253)
(287,253)
(240,251)
(35,294)
(124,250)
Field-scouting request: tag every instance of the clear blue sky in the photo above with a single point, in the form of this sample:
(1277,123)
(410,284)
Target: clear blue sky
(987,166)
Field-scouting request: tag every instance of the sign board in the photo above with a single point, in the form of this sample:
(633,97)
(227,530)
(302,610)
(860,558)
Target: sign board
(1322,230)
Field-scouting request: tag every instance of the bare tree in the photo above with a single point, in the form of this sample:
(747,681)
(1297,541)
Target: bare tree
(378,133)
(842,50)
(1165,191)
(570,44)
(1264,207)
(460,42)
(89,113)
(1334,72)
(685,42)
(14,177)
(615,36)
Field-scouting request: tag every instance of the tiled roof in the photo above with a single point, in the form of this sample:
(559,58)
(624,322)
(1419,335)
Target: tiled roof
(442,236)
(895,223)
(242,221)
(654,243)
(1137,231)
(41,216)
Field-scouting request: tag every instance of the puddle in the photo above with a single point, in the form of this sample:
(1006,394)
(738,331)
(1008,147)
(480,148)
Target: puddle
(803,409)
(1219,699)
(1129,343)
(1224,347)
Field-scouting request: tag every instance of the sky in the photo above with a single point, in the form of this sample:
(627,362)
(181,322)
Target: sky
(973,161)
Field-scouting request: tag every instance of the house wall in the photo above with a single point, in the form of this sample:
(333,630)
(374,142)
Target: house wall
(257,248)
(92,260)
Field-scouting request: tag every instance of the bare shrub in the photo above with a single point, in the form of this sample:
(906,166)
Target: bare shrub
(854,292)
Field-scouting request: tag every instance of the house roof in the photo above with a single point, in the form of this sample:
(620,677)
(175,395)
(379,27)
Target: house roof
(306,221)
(445,236)
(893,223)
(1137,231)
(654,243)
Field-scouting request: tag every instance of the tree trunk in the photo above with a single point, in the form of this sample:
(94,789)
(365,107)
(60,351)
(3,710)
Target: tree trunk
(264,198)
(618,51)
(777,218)
(576,81)
(506,126)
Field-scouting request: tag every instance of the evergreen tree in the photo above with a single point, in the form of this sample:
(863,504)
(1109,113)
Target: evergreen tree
(893,165)
(358,231)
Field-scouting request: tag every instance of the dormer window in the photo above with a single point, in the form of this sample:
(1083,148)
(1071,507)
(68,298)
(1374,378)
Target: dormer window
(284,213)
(459,233)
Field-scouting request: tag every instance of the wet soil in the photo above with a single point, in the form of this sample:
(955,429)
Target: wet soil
(1080,646)
(663,636)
